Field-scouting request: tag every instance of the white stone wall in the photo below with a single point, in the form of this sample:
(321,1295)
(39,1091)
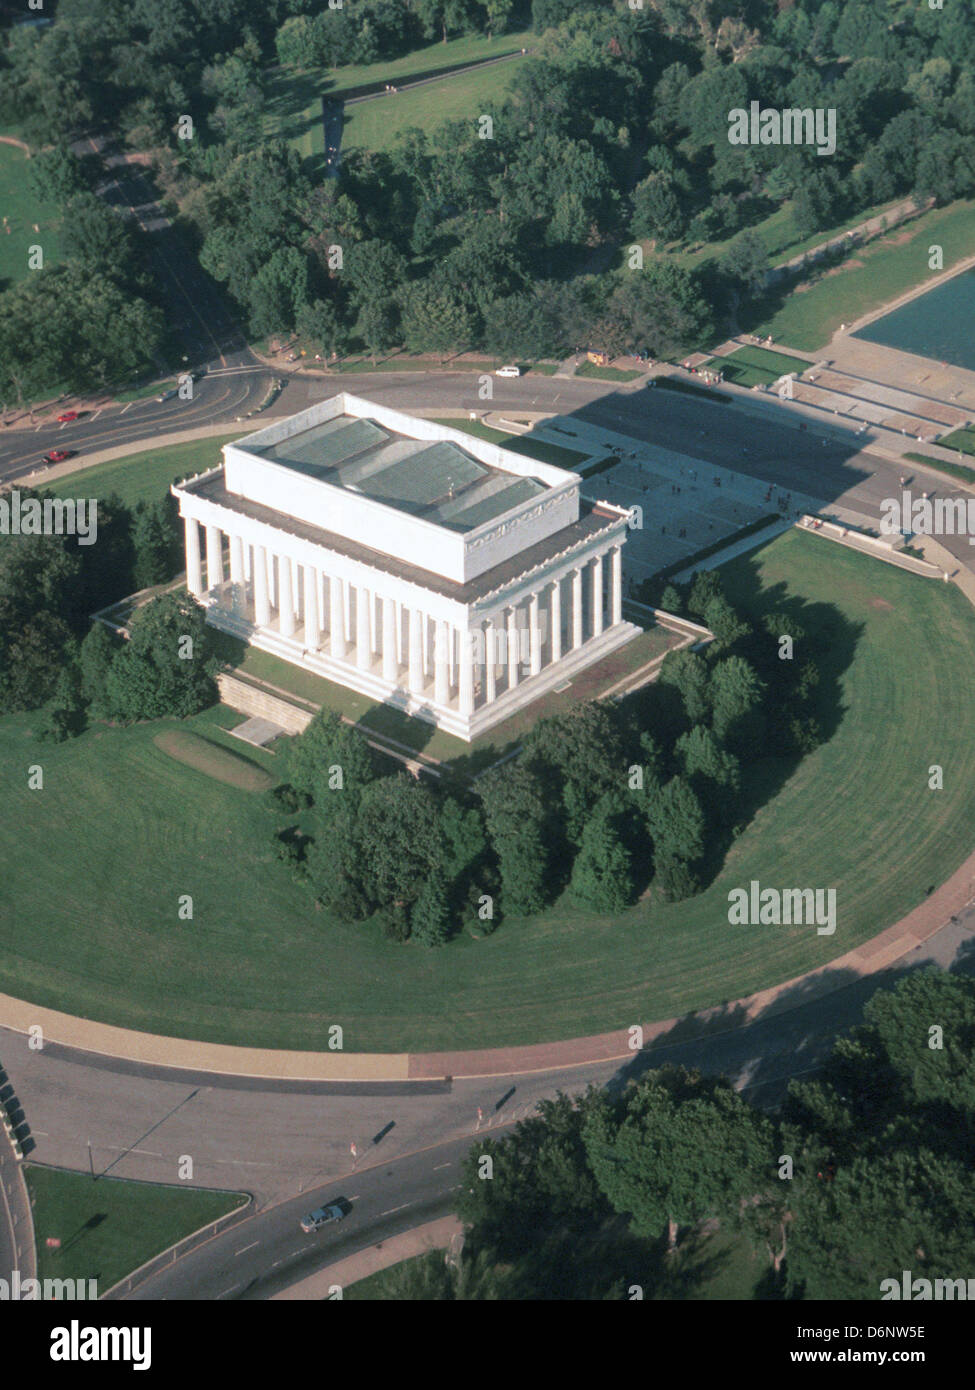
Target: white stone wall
(455,556)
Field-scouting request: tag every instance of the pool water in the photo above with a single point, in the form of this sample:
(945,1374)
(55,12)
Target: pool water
(939,324)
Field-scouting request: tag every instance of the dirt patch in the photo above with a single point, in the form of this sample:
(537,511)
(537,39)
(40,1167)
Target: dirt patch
(882,604)
(212,760)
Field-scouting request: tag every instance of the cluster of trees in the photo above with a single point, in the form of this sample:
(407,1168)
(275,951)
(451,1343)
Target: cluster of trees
(51,584)
(865,1171)
(167,666)
(602,800)
(365,31)
(617,130)
(444,243)
(382,842)
(90,319)
(902,91)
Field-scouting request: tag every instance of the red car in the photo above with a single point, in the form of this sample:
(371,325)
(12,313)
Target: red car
(68,415)
(59,455)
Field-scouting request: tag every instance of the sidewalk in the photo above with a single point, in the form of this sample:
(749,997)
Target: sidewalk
(435,1235)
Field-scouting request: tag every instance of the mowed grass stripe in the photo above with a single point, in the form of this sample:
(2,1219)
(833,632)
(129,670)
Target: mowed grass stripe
(94,864)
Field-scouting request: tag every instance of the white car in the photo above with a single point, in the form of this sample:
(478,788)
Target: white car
(508,371)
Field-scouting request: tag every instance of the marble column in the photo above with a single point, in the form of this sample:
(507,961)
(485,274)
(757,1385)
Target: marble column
(390,664)
(513,644)
(597,596)
(237,572)
(555,608)
(617,582)
(194,570)
(577,613)
(262,608)
(441,648)
(363,602)
(490,660)
(313,636)
(465,675)
(417,634)
(534,636)
(337,616)
(214,557)
(286,597)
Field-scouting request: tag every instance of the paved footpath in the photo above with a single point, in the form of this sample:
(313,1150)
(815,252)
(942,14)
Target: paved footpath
(434,1235)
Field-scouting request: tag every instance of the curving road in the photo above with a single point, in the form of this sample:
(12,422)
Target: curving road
(288,1144)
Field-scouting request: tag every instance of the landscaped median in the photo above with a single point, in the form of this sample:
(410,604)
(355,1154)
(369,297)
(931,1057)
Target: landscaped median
(97,1230)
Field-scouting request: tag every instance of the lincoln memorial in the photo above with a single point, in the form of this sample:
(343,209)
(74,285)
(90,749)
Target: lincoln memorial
(447,576)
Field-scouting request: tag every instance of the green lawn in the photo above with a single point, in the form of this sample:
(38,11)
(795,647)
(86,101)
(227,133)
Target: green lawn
(540,449)
(707,1266)
(94,862)
(21,210)
(607,373)
(781,237)
(377,124)
(953,470)
(110,1227)
(141,393)
(872,277)
(293,108)
(963,440)
(144,476)
(756,366)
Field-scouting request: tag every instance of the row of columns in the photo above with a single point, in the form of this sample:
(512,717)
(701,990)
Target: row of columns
(479,649)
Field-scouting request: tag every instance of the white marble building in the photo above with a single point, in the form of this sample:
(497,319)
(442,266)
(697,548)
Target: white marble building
(411,562)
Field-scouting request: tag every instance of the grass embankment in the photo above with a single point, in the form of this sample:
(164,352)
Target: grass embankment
(293,109)
(95,862)
(22,211)
(873,276)
(145,476)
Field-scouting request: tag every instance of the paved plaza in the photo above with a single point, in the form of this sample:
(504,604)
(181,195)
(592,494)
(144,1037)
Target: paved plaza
(687,503)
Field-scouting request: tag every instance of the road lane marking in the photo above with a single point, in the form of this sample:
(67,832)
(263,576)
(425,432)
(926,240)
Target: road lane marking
(393,1209)
(127,407)
(247,1247)
(441,1165)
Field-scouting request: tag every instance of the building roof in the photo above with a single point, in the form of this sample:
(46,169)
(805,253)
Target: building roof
(593,520)
(436,480)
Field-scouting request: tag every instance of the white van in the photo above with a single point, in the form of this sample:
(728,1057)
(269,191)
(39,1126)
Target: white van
(508,371)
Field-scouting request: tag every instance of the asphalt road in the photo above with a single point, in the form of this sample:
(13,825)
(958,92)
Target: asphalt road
(225,393)
(288,1144)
